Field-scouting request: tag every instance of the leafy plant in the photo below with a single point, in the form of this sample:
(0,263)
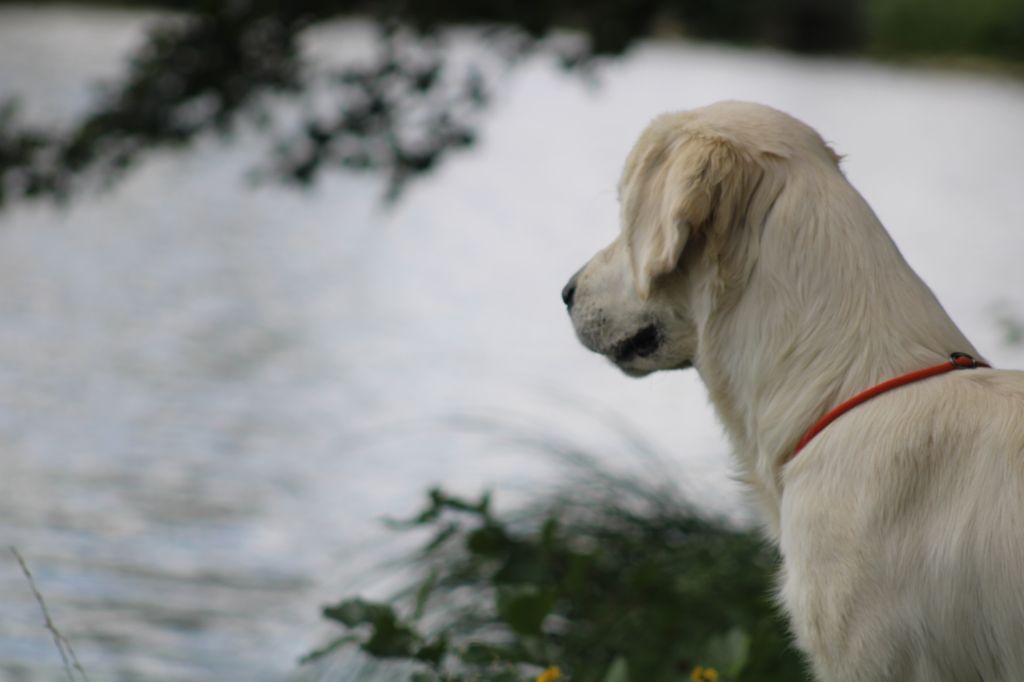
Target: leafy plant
(616,582)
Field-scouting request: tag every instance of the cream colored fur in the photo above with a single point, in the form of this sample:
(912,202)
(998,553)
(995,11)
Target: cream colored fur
(745,252)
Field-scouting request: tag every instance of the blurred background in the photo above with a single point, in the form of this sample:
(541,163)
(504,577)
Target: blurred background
(270,270)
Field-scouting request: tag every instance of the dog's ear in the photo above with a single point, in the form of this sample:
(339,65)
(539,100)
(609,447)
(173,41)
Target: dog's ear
(674,190)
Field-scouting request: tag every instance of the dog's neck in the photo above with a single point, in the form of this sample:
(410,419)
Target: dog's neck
(827,309)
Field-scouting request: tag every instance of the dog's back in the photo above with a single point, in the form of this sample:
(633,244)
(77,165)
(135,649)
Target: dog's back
(911,535)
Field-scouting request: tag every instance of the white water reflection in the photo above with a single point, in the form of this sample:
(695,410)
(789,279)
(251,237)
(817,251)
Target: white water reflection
(209,395)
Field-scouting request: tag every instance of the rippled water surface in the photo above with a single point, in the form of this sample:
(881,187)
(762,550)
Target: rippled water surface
(210,395)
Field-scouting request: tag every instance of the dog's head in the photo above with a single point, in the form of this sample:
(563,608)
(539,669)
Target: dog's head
(695,193)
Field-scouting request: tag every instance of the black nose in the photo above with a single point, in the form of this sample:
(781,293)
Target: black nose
(569,292)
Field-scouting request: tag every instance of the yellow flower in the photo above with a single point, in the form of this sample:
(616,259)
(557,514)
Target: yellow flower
(549,675)
(702,674)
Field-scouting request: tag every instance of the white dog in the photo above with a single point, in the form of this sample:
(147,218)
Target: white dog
(745,253)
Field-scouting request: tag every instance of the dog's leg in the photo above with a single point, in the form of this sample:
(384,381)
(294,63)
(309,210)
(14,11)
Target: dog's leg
(836,598)
(827,631)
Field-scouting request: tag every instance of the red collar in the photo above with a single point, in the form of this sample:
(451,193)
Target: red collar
(956,361)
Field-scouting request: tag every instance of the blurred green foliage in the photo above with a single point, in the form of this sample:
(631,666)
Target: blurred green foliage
(612,583)
(946,28)
(213,66)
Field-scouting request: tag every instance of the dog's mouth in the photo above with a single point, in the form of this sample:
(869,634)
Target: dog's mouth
(641,345)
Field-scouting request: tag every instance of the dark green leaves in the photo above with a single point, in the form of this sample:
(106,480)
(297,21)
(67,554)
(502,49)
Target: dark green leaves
(384,634)
(728,653)
(356,612)
(389,637)
(524,607)
(621,584)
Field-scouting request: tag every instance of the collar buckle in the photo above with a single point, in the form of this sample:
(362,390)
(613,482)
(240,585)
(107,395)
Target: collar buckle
(963,361)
